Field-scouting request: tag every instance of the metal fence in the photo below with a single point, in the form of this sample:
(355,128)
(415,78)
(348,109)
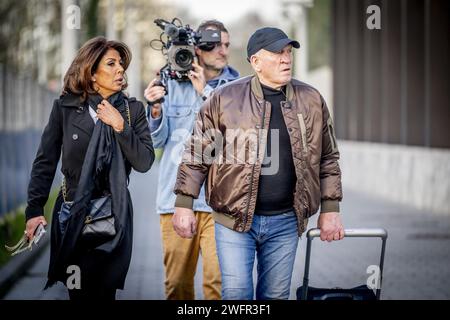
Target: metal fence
(24,110)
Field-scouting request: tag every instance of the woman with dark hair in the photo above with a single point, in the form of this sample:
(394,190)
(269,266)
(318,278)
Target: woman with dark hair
(102,134)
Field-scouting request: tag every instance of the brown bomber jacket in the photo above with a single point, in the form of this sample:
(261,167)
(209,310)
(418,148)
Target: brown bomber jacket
(231,188)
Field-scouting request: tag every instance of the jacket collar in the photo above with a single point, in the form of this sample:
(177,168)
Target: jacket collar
(71,100)
(83,119)
(257,89)
(228,74)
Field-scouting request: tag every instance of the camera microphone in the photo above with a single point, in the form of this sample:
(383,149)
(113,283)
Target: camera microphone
(171,30)
(161,23)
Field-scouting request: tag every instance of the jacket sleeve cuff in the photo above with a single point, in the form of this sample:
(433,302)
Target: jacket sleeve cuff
(33,212)
(329,206)
(125,132)
(155,123)
(183,201)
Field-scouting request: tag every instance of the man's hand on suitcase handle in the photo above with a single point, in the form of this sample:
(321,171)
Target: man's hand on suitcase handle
(330,226)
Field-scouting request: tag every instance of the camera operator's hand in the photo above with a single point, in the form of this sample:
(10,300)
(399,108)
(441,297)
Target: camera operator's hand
(153,93)
(197,78)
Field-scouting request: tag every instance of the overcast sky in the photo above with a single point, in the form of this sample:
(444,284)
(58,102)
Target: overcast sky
(229,11)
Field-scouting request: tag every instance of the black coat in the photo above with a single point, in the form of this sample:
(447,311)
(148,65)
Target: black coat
(69,130)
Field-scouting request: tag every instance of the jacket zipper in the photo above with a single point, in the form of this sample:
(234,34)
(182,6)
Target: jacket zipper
(331,134)
(303,131)
(253,169)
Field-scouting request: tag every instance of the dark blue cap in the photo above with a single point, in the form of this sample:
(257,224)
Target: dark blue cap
(270,39)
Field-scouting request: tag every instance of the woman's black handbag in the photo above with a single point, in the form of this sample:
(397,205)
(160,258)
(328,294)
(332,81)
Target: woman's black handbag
(98,224)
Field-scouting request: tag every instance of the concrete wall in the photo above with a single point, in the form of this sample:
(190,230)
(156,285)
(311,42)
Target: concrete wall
(416,176)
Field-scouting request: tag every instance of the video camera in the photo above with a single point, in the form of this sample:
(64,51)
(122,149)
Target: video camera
(179,48)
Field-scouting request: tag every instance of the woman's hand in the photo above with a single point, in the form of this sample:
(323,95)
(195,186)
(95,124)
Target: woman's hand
(32,224)
(110,115)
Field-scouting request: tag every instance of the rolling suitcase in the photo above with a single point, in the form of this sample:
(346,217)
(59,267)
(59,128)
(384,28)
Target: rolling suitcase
(361,292)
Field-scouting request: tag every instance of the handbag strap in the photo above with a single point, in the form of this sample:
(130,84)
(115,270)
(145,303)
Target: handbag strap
(64,189)
(64,186)
(128,112)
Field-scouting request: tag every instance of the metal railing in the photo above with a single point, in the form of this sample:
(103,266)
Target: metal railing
(24,110)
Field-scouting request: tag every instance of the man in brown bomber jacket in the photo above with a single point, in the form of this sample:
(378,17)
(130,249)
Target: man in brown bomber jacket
(259,206)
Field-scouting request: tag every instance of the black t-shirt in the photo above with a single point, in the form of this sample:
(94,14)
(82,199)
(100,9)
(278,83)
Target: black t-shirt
(276,187)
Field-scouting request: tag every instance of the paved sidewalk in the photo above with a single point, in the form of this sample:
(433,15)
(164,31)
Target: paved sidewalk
(416,264)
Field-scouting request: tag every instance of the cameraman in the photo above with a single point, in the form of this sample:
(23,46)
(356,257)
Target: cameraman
(171,124)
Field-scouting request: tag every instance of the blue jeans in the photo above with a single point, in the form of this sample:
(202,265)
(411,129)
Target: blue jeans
(274,239)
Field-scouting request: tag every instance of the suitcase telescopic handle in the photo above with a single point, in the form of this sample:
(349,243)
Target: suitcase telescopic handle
(348,233)
(361,232)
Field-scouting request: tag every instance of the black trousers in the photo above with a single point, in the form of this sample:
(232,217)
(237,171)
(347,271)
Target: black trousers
(92,294)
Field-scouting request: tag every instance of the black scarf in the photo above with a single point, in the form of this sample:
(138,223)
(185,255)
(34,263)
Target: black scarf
(103,154)
(105,144)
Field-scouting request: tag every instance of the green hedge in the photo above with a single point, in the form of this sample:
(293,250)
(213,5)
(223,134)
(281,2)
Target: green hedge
(12,226)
